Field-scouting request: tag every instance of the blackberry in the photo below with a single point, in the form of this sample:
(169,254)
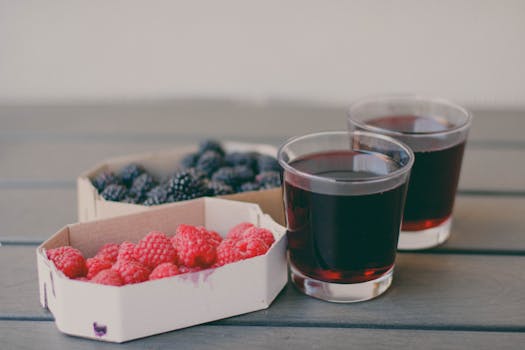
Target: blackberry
(219,189)
(225,175)
(157,195)
(243,173)
(211,145)
(104,179)
(142,185)
(267,163)
(208,162)
(269,179)
(187,196)
(189,160)
(249,186)
(130,173)
(114,192)
(130,200)
(242,158)
(185,185)
(171,198)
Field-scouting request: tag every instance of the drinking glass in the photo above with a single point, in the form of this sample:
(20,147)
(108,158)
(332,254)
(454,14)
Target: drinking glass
(436,130)
(344,195)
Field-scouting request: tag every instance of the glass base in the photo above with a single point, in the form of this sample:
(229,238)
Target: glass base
(341,292)
(428,238)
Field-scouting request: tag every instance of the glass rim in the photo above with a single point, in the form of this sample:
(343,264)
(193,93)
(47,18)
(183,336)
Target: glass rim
(375,179)
(408,98)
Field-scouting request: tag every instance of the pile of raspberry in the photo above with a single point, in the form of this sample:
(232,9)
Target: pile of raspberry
(191,249)
(208,172)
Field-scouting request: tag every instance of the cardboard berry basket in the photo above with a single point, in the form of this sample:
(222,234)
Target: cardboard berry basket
(119,314)
(160,164)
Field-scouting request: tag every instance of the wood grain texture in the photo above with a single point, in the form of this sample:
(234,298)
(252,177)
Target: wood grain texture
(487,223)
(195,117)
(428,291)
(447,291)
(63,160)
(24,335)
(444,300)
(33,215)
(493,169)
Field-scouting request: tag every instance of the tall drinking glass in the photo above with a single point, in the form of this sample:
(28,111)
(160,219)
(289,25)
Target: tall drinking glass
(344,195)
(436,130)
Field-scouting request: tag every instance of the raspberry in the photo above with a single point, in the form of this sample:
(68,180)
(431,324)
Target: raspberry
(213,237)
(141,186)
(126,251)
(164,270)
(231,250)
(211,145)
(195,246)
(108,252)
(108,277)
(102,180)
(132,271)
(155,249)
(261,233)
(189,160)
(237,231)
(208,162)
(114,193)
(69,260)
(219,189)
(227,253)
(95,265)
(251,246)
(246,230)
(185,269)
(129,173)
(269,179)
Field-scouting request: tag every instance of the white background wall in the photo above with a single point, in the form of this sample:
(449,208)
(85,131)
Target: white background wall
(328,51)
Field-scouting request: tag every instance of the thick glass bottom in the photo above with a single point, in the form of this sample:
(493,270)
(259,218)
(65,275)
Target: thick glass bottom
(341,292)
(424,239)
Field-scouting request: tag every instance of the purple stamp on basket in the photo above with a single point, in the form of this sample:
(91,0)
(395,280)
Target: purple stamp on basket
(99,329)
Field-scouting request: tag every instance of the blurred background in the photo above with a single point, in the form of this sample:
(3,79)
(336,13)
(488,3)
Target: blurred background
(320,52)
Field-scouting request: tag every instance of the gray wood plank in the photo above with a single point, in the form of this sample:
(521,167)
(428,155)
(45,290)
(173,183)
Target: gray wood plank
(190,117)
(428,291)
(20,283)
(63,160)
(26,335)
(33,214)
(493,169)
(484,223)
(194,117)
(480,224)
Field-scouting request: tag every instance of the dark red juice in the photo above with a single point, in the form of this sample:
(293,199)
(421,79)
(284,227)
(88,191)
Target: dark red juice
(342,238)
(434,176)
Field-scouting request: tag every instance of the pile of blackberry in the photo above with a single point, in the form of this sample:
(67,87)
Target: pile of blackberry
(208,172)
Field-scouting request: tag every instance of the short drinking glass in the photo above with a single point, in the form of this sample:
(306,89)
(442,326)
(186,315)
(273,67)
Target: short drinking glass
(344,195)
(436,130)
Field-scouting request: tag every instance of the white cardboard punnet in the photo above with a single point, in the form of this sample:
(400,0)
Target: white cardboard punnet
(92,206)
(124,313)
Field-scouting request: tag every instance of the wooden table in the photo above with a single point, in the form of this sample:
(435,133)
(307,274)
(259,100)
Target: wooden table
(469,293)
